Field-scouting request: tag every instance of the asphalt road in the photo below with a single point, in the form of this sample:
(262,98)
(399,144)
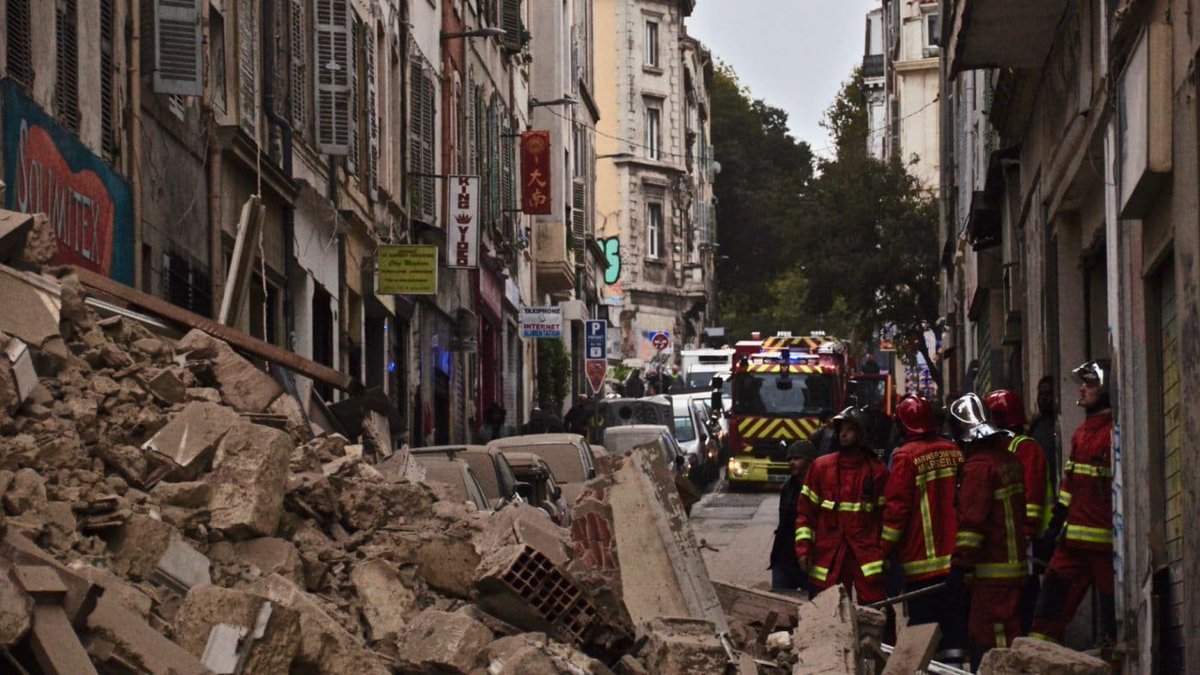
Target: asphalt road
(734,530)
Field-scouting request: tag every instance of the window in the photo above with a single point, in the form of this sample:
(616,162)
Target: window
(298,32)
(651,56)
(66,79)
(653,132)
(874,33)
(933,30)
(17,33)
(654,230)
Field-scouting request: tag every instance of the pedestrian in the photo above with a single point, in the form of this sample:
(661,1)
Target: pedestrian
(579,417)
(837,521)
(785,568)
(990,544)
(869,366)
(494,425)
(676,383)
(1081,522)
(1008,413)
(920,522)
(635,387)
(1043,428)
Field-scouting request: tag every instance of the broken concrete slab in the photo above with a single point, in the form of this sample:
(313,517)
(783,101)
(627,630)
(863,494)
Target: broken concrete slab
(31,308)
(325,646)
(18,378)
(630,519)
(189,440)
(121,641)
(447,564)
(16,611)
(26,492)
(41,243)
(150,550)
(269,634)
(367,505)
(443,642)
(387,603)
(679,645)
(520,523)
(249,478)
(915,647)
(188,495)
(243,386)
(55,645)
(826,637)
(129,596)
(1029,655)
(167,387)
(14,232)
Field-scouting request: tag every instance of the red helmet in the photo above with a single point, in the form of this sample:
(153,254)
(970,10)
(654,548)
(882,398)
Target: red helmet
(916,417)
(1008,410)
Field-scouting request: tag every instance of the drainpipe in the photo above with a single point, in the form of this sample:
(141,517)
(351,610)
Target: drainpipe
(135,103)
(285,130)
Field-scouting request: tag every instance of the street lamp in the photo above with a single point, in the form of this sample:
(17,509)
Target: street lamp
(482,32)
(566,100)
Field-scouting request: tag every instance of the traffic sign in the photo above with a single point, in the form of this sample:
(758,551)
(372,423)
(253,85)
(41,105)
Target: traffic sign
(595,345)
(661,341)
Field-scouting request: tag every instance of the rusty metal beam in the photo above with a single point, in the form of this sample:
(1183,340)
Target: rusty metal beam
(235,338)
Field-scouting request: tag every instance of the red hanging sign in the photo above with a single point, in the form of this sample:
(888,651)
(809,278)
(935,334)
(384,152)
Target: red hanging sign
(535,172)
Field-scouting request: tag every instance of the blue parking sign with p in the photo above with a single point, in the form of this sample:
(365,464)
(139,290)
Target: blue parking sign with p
(596,339)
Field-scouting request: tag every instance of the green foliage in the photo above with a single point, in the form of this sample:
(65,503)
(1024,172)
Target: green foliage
(553,374)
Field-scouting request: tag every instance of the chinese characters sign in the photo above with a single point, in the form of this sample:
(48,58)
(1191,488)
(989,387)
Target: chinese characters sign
(49,171)
(463,194)
(535,172)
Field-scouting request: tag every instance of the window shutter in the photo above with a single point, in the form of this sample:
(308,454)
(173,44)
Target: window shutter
(416,130)
(332,70)
(352,157)
(298,82)
(66,58)
(177,39)
(506,186)
(514,28)
(579,218)
(472,106)
(247,29)
(428,111)
(372,165)
(108,132)
(17,34)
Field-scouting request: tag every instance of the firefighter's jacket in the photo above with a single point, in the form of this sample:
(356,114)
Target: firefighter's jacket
(1036,484)
(919,520)
(991,541)
(838,513)
(1087,485)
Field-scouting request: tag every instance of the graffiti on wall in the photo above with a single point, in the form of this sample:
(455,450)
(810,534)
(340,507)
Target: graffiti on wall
(49,171)
(613,292)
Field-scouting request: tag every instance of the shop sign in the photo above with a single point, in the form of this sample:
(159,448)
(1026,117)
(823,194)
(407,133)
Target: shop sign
(535,172)
(464,221)
(542,322)
(407,270)
(48,170)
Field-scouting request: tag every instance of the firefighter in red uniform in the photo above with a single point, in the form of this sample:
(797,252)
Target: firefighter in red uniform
(990,546)
(919,521)
(1008,413)
(1084,555)
(837,516)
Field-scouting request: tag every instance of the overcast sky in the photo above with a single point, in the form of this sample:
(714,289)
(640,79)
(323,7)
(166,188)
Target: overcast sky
(793,53)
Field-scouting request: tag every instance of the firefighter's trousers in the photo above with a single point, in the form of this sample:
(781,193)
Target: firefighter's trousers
(1071,573)
(994,619)
(849,574)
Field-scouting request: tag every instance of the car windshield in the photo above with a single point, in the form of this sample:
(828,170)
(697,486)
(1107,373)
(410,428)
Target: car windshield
(770,394)
(564,460)
(446,472)
(684,430)
(700,380)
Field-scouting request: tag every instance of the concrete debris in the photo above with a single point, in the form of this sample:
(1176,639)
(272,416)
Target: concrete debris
(1028,655)
(120,641)
(18,378)
(248,481)
(387,603)
(189,440)
(14,232)
(271,556)
(442,642)
(16,611)
(31,308)
(243,386)
(684,646)
(147,549)
(826,639)
(265,636)
(522,586)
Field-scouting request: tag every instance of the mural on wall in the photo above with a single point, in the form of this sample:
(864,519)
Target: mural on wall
(614,294)
(48,170)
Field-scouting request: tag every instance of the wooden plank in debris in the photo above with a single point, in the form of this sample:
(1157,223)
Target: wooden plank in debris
(235,338)
(751,606)
(914,649)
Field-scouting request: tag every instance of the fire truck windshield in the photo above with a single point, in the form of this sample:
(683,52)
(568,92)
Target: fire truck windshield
(769,394)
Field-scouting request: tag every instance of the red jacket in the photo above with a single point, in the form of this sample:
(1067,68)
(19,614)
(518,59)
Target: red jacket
(1036,486)
(1087,485)
(838,513)
(919,517)
(991,507)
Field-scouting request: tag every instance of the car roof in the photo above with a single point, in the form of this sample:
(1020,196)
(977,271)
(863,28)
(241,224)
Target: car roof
(535,439)
(438,449)
(523,459)
(637,429)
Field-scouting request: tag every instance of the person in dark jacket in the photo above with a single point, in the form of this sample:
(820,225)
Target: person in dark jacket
(635,386)
(786,574)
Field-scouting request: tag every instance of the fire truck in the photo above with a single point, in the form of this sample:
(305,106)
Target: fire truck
(784,389)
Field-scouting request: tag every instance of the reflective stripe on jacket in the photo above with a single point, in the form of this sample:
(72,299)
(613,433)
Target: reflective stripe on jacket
(838,513)
(1087,485)
(919,521)
(1037,485)
(991,539)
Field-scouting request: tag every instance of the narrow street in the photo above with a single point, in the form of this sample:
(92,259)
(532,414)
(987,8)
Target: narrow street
(734,530)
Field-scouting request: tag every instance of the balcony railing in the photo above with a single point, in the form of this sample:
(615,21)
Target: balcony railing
(873,66)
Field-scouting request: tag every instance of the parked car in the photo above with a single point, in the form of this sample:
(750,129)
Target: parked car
(568,456)
(695,437)
(537,485)
(458,476)
(491,469)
